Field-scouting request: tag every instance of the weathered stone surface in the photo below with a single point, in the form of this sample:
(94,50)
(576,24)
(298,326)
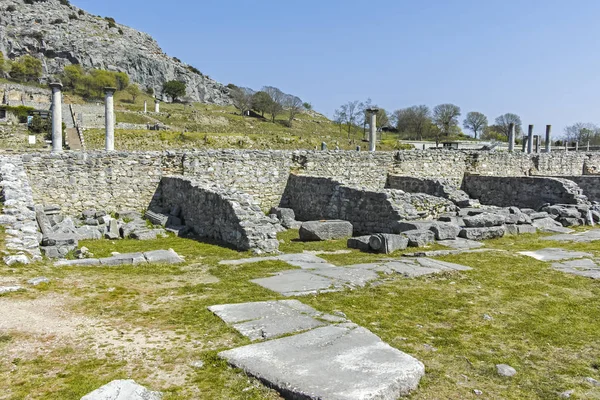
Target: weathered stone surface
(16,259)
(526,229)
(554,254)
(505,370)
(361,243)
(9,289)
(445,230)
(83,262)
(145,234)
(578,237)
(461,244)
(404,226)
(157,218)
(387,243)
(484,220)
(90,233)
(325,230)
(550,225)
(298,283)
(582,267)
(163,256)
(269,319)
(124,259)
(122,390)
(38,281)
(294,365)
(419,238)
(128,214)
(483,233)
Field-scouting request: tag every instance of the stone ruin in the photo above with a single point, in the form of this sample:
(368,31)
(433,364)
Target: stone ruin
(52,201)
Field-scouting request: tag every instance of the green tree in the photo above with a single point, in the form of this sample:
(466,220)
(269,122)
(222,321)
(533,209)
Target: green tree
(307,106)
(261,102)
(175,89)
(17,71)
(475,122)
(3,64)
(72,75)
(505,120)
(33,68)
(414,121)
(134,91)
(122,80)
(39,125)
(277,98)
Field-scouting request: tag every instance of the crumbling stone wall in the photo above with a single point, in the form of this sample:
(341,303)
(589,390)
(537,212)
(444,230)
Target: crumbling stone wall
(589,184)
(439,187)
(13,94)
(369,210)
(522,192)
(217,212)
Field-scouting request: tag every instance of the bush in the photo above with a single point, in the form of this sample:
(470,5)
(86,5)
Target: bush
(26,68)
(73,16)
(11,8)
(57,21)
(39,125)
(121,31)
(194,70)
(65,3)
(81,12)
(150,91)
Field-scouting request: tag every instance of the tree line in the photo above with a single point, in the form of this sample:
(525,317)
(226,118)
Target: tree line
(419,122)
(269,100)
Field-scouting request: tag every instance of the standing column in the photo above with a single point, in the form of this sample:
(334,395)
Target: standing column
(530,140)
(156,106)
(57,138)
(373,129)
(548,138)
(110,118)
(536,141)
(511,137)
(145,107)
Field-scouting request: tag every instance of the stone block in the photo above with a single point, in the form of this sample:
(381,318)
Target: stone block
(128,214)
(483,233)
(419,238)
(325,230)
(403,226)
(282,213)
(157,218)
(59,239)
(445,230)
(143,234)
(88,214)
(361,243)
(89,233)
(526,229)
(387,243)
(538,215)
(122,389)
(453,220)
(484,220)
(163,256)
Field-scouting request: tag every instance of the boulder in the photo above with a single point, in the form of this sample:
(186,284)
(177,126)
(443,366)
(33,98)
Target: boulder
(562,211)
(122,390)
(59,239)
(387,243)
(163,256)
(325,230)
(419,238)
(88,214)
(361,243)
(484,220)
(282,213)
(505,370)
(445,230)
(483,233)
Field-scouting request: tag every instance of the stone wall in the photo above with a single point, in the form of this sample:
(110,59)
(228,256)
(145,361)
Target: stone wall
(13,94)
(217,212)
(369,210)
(522,192)
(589,184)
(127,180)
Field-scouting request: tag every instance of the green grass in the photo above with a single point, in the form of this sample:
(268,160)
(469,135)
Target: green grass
(545,323)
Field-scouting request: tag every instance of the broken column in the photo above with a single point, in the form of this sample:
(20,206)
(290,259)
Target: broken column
(145,106)
(530,140)
(511,137)
(110,118)
(156,106)
(548,138)
(56,117)
(372,112)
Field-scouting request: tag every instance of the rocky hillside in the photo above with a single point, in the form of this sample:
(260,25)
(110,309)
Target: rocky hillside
(60,34)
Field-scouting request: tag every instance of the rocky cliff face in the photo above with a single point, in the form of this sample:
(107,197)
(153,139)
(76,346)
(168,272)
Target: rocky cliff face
(60,35)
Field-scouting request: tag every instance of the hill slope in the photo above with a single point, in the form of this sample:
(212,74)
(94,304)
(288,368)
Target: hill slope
(61,35)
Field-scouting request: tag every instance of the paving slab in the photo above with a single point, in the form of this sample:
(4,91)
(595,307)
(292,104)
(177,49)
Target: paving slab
(268,319)
(461,244)
(411,270)
(554,254)
(298,283)
(343,362)
(582,267)
(580,237)
(122,390)
(355,277)
(441,265)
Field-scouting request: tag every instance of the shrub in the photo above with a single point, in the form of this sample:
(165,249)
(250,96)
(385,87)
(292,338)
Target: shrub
(176,59)
(194,70)
(11,8)
(39,125)
(65,3)
(150,91)
(121,31)
(73,16)
(81,12)
(58,21)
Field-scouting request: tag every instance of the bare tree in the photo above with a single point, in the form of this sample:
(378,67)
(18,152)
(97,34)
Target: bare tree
(504,121)
(475,122)
(293,105)
(445,117)
(242,99)
(276,106)
(582,132)
(350,113)
(413,120)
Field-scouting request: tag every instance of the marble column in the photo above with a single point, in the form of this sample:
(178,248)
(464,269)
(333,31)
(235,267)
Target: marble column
(57,138)
(548,138)
(156,106)
(372,112)
(530,140)
(145,106)
(511,137)
(110,118)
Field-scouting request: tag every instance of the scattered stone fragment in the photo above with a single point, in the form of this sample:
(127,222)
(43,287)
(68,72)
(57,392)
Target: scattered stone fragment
(16,259)
(477,392)
(388,243)
(461,244)
(484,220)
(581,267)
(487,317)
(592,381)
(566,394)
(505,370)
(483,233)
(419,238)
(122,390)
(9,289)
(445,230)
(163,256)
(143,234)
(198,364)
(38,281)
(157,218)
(325,230)
(361,243)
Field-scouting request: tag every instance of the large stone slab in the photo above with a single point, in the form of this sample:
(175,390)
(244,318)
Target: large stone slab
(580,237)
(343,362)
(325,230)
(445,230)
(360,243)
(268,319)
(484,220)
(387,243)
(483,233)
(419,238)
(461,244)
(298,283)
(549,225)
(122,390)
(583,267)
(554,254)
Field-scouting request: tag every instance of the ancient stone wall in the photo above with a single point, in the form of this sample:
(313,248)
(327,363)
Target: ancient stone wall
(589,184)
(522,192)
(218,212)
(13,94)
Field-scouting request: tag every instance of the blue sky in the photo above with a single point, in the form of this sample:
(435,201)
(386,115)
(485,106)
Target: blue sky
(536,58)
